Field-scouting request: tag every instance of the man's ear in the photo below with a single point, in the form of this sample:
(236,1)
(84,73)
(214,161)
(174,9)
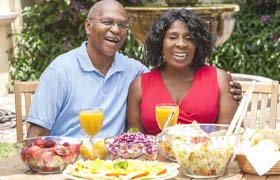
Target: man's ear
(87,26)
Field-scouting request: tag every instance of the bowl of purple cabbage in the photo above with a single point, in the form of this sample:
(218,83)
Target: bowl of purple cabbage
(132,145)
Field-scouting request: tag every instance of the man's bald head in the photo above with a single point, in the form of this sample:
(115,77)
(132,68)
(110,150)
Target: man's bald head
(100,5)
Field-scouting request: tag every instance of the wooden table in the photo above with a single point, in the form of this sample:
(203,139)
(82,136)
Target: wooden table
(14,169)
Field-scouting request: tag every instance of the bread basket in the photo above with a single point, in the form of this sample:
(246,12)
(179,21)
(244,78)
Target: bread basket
(246,166)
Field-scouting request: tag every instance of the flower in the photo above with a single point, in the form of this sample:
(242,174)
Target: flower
(265,19)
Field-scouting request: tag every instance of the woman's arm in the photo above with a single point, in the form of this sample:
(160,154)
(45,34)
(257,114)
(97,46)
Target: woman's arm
(133,112)
(227,105)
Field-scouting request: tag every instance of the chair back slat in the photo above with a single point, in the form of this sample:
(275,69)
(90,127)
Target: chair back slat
(262,111)
(274,102)
(23,90)
(253,110)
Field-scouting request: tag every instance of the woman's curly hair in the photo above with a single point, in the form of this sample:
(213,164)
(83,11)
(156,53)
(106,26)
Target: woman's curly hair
(198,31)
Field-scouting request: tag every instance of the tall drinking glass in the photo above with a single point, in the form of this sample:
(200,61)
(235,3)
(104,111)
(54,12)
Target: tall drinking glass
(163,111)
(91,121)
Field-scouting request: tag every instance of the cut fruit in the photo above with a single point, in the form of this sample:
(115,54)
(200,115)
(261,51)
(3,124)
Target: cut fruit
(99,149)
(86,153)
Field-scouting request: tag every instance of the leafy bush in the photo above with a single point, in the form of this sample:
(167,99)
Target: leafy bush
(253,47)
(49,29)
(54,27)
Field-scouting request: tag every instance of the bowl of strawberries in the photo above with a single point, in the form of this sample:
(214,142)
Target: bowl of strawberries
(49,154)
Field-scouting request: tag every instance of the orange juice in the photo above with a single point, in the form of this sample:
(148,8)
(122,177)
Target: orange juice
(163,112)
(91,121)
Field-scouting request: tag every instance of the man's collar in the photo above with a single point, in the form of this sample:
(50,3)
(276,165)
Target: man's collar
(85,62)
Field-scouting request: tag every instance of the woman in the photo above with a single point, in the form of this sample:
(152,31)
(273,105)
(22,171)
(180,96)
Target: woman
(177,46)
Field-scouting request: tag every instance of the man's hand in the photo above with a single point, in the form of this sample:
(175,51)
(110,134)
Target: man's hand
(236,90)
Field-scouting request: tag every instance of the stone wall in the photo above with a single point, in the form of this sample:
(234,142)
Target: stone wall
(10,20)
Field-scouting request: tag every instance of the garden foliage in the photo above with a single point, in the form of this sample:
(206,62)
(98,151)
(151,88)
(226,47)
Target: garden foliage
(54,27)
(253,47)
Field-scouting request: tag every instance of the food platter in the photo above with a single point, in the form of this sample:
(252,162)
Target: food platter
(121,169)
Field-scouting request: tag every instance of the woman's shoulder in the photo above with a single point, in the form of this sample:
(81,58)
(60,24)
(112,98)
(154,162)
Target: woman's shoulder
(206,69)
(152,73)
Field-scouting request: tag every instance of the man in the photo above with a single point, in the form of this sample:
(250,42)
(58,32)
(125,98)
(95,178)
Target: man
(93,75)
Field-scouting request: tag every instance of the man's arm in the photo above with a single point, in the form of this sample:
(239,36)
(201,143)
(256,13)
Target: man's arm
(46,102)
(235,89)
(36,130)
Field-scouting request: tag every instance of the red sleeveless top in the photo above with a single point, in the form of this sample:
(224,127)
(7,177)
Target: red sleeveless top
(201,103)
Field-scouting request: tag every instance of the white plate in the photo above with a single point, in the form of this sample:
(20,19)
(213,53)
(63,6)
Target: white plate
(172,171)
(171,175)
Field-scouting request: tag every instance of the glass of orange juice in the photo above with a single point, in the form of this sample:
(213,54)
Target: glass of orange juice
(163,111)
(91,121)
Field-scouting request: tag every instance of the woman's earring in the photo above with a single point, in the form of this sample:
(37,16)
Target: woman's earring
(161,61)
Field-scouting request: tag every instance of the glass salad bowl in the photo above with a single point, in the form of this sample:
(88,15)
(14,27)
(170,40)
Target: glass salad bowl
(48,154)
(202,150)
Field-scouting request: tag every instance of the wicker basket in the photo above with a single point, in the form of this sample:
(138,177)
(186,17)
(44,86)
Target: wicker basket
(245,166)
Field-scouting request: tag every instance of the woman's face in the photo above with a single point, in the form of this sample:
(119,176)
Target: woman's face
(178,48)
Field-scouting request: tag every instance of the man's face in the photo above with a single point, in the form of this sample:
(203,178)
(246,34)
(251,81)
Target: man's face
(107,30)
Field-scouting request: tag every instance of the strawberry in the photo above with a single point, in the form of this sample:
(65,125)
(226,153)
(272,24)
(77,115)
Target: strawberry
(66,144)
(47,169)
(33,151)
(61,150)
(46,156)
(50,143)
(23,153)
(40,142)
(75,148)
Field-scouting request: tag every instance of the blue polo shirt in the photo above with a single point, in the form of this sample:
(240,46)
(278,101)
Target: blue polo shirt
(71,83)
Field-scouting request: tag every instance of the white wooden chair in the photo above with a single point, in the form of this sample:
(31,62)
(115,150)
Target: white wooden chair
(27,89)
(262,111)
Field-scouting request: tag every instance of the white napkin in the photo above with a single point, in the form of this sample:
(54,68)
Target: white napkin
(263,156)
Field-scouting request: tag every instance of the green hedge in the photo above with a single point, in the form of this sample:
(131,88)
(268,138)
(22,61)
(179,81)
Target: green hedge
(254,46)
(54,27)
